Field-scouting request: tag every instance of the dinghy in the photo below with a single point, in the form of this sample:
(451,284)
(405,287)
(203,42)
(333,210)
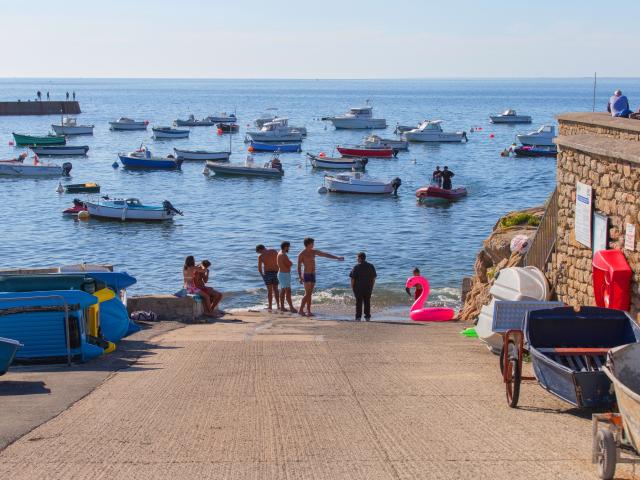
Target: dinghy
(88,187)
(26,140)
(435,193)
(201,155)
(167,133)
(357,182)
(337,163)
(60,150)
(131,209)
(17,168)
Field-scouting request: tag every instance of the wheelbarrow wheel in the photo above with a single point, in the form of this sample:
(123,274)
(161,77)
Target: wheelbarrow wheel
(512,381)
(605,454)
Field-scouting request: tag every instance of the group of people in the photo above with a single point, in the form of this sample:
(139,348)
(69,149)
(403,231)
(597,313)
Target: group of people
(618,106)
(442,178)
(39,96)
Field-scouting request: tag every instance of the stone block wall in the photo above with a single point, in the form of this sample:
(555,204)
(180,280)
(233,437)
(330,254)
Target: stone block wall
(600,124)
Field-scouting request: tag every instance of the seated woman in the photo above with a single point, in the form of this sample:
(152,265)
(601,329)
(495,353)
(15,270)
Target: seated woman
(210,297)
(187,274)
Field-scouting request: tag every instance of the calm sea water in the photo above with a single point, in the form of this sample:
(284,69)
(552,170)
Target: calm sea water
(226,217)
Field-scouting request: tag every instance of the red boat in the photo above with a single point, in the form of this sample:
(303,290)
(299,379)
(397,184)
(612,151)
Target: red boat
(436,193)
(78,206)
(368,152)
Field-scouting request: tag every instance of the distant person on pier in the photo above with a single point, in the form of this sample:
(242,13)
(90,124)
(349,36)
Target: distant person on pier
(618,105)
(284,277)
(363,278)
(210,297)
(39,95)
(268,269)
(447,175)
(67,96)
(307,272)
(48,98)
(74,95)
(436,177)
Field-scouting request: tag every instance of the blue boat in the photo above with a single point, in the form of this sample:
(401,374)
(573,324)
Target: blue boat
(51,325)
(568,351)
(8,349)
(143,158)
(275,147)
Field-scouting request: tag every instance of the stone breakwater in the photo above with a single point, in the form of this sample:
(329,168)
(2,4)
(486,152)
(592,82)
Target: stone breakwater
(494,256)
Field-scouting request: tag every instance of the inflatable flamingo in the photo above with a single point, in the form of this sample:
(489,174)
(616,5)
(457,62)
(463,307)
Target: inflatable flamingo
(420,314)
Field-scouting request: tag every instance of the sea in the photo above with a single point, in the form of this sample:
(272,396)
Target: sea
(224,218)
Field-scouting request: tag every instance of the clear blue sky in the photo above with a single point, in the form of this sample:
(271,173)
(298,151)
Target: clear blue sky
(319,38)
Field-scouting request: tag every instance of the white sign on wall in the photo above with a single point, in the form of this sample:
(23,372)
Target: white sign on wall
(583,213)
(630,237)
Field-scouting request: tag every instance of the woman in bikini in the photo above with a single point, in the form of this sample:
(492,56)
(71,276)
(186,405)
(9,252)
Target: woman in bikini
(195,278)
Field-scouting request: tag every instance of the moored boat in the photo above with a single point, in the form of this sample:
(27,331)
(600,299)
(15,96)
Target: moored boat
(431,131)
(69,126)
(271,169)
(535,151)
(131,209)
(367,152)
(8,349)
(124,123)
(201,155)
(268,116)
(87,187)
(340,163)
(509,116)
(169,133)
(435,193)
(543,137)
(17,168)
(194,122)
(26,140)
(228,127)
(374,141)
(142,158)
(356,182)
(223,117)
(74,210)
(275,147)
(360,118)
(60,150)
(277,130)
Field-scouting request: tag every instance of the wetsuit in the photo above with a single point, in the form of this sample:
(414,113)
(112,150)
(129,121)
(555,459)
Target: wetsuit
(446,179)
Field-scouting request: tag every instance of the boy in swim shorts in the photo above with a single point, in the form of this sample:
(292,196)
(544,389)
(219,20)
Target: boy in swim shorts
(307,259)
(284,277)
(268,268)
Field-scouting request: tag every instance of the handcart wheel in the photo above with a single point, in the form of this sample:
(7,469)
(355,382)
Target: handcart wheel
(512,379)
(605,454)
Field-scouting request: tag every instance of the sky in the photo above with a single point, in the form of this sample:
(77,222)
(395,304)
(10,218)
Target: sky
(319,38)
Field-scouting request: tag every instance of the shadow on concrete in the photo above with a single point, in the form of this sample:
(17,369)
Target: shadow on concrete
(25,387)
(584,413)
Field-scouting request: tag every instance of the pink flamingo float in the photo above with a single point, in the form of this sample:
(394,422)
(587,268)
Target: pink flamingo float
(418,312)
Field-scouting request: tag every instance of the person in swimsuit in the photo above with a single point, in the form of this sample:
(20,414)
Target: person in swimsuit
(210,297)
(418,292)
(284,277)
(268,268)
(307,259)
(187,274)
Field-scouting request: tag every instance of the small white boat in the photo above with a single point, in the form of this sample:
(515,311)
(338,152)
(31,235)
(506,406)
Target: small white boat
(374,141)
(17,168)
(169,133)
(357,182)
(277,130)
(269,116)
(249,168)
(357,118)
(60,150)
(69,126)
(337,163)
(543,137)
(510,116)
(201,155)
(124,123)
(431,131)
(131,209)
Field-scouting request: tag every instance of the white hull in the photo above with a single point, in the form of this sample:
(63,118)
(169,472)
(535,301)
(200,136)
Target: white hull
(387,143)
(128,126)
(96,210)
(231,169)
(510,119)
(358,123)
(201,155)
(279,137)
(326,163)
(69,130)
(21,170)
(434,137)
(334,184)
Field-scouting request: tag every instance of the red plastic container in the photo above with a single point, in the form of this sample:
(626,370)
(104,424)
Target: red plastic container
(611,279)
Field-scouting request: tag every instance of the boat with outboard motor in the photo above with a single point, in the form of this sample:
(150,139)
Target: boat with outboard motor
(323,162)
(202,155)
(360,118)
(272,169)
(509,116)
(17,168)
(69,126)
(167,133)
(535,151)
(431,131)
(194,122)
(22,140)
(277,130)
(374,141)
(74,210)
(142,158)
(366,152)
(60,150)
(356,182)
(124,124)
(228,127)
(435,193)
(543,137)
(131,209)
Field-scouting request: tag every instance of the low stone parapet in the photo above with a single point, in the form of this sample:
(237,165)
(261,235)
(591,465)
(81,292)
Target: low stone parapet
(168,307)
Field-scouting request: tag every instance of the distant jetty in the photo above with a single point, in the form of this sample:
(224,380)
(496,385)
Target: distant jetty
(39,108)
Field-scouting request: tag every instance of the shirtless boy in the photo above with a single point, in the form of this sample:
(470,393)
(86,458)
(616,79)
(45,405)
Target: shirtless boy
(284,277)
(307,259)
(268,268)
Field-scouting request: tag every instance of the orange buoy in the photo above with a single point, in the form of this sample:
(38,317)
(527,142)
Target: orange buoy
(219,131)
(251,149)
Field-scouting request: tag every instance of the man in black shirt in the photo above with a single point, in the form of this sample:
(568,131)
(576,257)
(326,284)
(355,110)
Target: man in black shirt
(446,178)
(363,277)
(436,177)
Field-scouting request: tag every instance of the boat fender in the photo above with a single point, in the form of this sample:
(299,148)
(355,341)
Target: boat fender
(114,164)
(66,168)
(322,189)
(83,215)
(59,188)
(395,183)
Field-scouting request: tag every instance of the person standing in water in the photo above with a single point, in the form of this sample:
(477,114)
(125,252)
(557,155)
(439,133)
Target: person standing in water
(268,268)
(447,175)
(307,272)
(284,277)
(436,177)
(418,287)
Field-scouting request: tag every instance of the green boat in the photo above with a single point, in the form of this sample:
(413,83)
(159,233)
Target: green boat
(24,140)
(88,187)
